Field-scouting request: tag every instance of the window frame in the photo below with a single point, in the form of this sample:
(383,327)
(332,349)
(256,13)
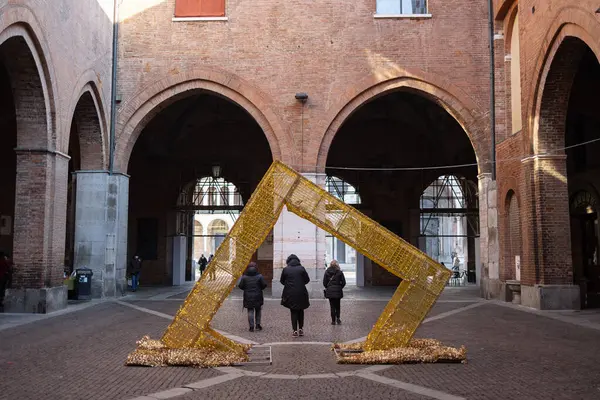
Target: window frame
(427,14)
(200,17)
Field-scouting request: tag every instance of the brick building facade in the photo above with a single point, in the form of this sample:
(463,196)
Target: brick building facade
(217,85)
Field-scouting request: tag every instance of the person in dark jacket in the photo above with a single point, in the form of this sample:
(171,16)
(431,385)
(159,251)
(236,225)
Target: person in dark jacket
(334,282)
(202,262)
(4,276)
(295,296)
(253,284)
(135,267)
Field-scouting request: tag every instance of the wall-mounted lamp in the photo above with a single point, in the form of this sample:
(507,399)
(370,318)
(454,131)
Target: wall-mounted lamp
(216,171)
(302,97)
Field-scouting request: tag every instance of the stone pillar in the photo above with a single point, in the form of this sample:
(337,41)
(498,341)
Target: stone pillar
(360,269)
(101,214)
(546,264)
(39,232)
(179,258)
(491,286)
(294,235)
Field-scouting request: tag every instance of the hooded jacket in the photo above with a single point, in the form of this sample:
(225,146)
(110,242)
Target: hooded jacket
(294,279)
(253,284)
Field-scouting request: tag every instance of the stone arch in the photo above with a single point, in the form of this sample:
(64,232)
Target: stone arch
(87,118)
(565,41)
(30,68)
(513,75)
(512,232)
(457,103)
(138,111)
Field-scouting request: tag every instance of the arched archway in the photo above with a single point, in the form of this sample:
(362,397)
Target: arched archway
(389,146)
(203,149)
(217,230)
(513,240)
(87,152)
(31,178)
(143,108)
(466,112)
(565,138)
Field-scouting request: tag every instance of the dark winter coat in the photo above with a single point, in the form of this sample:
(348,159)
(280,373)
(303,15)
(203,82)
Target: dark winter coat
(202,262)
(294,279)
(135,266)
(334,281)
(253,284)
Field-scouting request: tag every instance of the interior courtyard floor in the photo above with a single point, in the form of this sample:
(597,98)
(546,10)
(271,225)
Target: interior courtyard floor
(513,352)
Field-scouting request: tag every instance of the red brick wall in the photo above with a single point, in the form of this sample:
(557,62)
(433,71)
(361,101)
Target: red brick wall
(541,185)
(280,48)
(55,49)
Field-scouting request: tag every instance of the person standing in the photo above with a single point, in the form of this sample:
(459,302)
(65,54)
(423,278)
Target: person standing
(295,296)
(202,262)
(135,267)
(334,282)
(4,276)
(211,271)
(253,284)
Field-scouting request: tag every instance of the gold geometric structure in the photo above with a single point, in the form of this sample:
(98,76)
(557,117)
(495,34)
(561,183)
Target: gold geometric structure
(423,279)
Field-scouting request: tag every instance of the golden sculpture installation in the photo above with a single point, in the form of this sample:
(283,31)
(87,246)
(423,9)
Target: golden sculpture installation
(189,339)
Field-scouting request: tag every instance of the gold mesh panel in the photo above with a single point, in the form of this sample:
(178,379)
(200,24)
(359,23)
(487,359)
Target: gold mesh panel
(423,278)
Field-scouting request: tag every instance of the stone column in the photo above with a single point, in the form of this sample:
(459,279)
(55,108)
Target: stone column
(294,235)
(39,232)
(491,286)
(101,214)
(179,259)
(546,264)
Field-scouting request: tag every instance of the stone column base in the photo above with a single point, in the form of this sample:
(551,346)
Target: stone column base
(37,301)
(551,297)
(315,289)
(492,289)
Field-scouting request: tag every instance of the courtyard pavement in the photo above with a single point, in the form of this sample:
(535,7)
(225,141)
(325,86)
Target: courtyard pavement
(513,352)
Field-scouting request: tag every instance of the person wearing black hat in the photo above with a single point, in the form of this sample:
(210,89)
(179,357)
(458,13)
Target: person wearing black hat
(295,296)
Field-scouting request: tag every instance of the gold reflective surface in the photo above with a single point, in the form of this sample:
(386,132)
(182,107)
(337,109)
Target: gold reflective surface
(423,279)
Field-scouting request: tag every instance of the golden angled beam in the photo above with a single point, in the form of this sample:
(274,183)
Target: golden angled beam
(423,279)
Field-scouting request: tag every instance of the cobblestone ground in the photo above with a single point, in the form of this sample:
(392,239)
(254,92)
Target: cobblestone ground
(512,354)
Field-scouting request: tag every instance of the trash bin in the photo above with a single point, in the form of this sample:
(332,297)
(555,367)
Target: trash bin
(83,282)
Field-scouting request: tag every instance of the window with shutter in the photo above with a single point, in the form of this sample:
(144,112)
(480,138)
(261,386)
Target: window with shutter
(199,8)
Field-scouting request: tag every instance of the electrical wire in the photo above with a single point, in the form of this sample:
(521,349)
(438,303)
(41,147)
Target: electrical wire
(438,167)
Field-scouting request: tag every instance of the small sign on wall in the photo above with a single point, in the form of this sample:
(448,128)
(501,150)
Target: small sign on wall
(5,225)
(518,268)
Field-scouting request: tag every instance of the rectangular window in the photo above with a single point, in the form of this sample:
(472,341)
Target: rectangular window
(401,7)
(199,8)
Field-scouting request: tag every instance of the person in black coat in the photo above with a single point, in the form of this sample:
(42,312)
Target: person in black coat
(253,284)
(202,262)
(334,282)
(295,296)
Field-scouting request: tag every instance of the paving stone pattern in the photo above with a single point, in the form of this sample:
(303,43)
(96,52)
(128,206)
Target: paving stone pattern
(511,354)
(358,318)
(81,356)
(305,389)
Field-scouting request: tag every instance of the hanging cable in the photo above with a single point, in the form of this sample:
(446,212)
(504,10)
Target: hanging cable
(437,167)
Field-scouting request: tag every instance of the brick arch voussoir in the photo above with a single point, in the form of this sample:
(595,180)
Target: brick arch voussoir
(20,21)
(455,101)
(141,108)
(570,22)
